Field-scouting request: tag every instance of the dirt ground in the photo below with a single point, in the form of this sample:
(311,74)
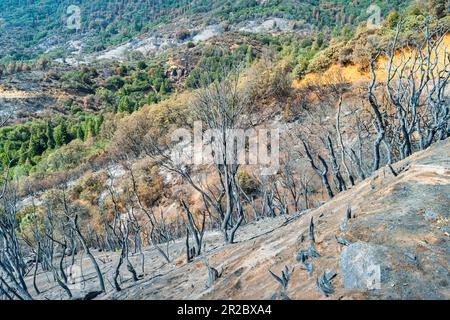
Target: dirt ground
(399,224)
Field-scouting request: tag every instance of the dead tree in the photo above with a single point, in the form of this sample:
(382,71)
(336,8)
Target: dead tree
(344,153)
(121,230)
(286,275)
(339,181)
(357,157)
(73,224)
(189,253)
(416,82)
(76,228)
(124,256)
(220,106)
(12,264)
(324,283)
(280,198)
(136,232)
(157,228)
(53,234)
(323,174)
(267,197)
(405,103)
(305,178)
(196,232)
(250,199)
(311,235)
(60,276)
(437,122)
(289,181)
(379,123)
(213,275)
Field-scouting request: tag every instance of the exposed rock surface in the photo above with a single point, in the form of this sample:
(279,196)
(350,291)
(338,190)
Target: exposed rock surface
(361,263)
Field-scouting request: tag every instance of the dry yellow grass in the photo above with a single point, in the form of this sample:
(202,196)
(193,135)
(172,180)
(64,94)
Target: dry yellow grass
(15,94)
(351,73)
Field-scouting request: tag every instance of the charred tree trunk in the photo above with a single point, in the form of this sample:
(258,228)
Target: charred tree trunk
(344,153)
(117,272)
(381,130)
(38,257)
(89,254)
(323,174)
(340,183)
(193,229)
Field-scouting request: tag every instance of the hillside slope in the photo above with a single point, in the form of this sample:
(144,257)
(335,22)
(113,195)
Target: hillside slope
(400,223)
(399,228)
(60,28)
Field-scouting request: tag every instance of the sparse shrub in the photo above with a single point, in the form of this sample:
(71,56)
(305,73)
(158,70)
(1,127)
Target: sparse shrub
(90,188)
(392,19)
(345,56)
(266,81)
(190,45)
(142,65)
(150,184)
(248,183)
(183,34)
(324,59)
(114,83)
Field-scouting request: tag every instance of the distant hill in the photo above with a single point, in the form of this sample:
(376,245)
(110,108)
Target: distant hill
(30,28)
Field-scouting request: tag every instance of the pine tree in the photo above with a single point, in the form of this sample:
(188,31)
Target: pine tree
(98,124)
(23,156)
(80,133)
(89,129)
(126,105)
(92,127)
(60,134)
(162,88)
(49,136)
(38,141)
(249,56)
(33,147)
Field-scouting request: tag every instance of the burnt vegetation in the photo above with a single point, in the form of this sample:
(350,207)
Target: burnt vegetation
(126,194)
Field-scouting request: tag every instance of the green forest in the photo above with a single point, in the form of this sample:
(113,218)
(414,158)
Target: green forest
(32,27)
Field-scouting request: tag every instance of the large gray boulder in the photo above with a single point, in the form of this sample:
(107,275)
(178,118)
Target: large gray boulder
(364,266)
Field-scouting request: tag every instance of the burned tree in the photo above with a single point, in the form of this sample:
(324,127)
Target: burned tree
(158,230)
(213,275)
(289,178)
(379,122)
(344,153)
(416,112)
(196,232)
(12,263)
(220,106)
(71,216)
(121,230)
(52,236)
(339,181)
(323,174)
(285,277)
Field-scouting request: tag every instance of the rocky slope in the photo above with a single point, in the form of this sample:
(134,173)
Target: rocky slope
(395,245)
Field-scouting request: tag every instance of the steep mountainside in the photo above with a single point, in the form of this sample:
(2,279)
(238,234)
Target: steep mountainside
(397,245)
(135,149)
